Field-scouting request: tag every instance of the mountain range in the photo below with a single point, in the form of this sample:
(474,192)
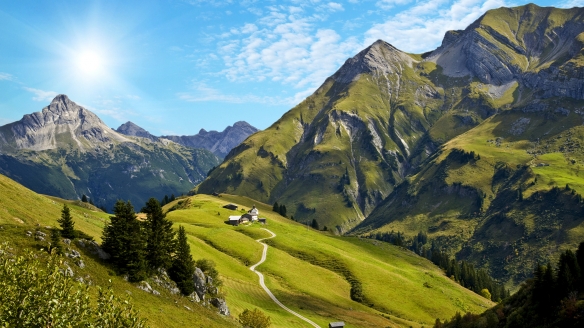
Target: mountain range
(67,151)
(477,143)
(220,143)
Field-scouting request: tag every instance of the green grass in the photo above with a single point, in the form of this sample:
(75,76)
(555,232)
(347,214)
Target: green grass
(307,271)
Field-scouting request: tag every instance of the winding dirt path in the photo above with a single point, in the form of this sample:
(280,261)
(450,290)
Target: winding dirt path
(252,268)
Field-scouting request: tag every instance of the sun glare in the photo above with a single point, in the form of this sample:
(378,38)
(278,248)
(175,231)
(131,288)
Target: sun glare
(89,63)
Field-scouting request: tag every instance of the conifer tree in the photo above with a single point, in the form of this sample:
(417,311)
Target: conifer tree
(56,246)
(84,198)
(124,240)
(276,207)
(315,225)
(66,223)
(159,236)
(183,267)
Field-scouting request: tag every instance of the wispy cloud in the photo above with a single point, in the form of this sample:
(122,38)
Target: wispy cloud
(286,46)
(421,27)
(571,4)
(6,77)
(201,92)
(41,95)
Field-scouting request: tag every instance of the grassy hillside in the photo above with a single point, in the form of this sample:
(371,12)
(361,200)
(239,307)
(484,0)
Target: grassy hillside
(22,210)
(309,271)
(515,202)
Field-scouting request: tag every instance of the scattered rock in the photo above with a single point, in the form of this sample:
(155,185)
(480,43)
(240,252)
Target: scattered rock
(80,242)
(188,308)
(194,297)
(29,233)
(74,254)
(145,286)
(49,227)
(81,264)
(155,292)
(41,234)
(67,272)
(67,241)
(40,238)
(200,283)
(221,305)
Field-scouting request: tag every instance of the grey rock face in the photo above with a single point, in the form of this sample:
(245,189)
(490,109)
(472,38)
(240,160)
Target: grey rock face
(220,143)
(61,124)
(221,305)
(200,283)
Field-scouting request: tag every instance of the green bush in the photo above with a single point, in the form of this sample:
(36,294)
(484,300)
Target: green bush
(36,293)
(254,319)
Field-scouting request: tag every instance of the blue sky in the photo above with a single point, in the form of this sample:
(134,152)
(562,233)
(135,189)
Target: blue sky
(174,67)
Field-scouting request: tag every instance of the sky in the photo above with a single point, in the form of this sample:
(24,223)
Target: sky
(177,66)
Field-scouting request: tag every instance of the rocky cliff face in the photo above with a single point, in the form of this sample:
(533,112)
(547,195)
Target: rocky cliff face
(220,143)
(339,153)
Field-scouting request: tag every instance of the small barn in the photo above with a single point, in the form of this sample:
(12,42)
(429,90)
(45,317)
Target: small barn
(262,220)
(234,220)
(231,207)
(338,324)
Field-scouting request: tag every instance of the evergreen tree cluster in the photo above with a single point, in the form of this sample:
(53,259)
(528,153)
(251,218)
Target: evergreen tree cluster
(139,249)
(165,200)
(553,298)
(460,271)
(280,209)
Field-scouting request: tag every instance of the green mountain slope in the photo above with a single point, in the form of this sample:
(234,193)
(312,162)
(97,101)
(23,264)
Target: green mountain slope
(23,210)
(72,152)
(339,153)
(309,271)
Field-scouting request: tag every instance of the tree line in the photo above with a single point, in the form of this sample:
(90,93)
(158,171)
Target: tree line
(554,297)
(463,272)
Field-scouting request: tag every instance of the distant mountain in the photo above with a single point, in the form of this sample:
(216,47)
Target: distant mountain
(477,143)
(67,151)
(131,129)
(220,143)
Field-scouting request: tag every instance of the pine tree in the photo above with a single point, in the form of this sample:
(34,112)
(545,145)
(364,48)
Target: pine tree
(315,225)
(124,240)
(276,207)
(282,210)
(84,198)
(159,236)
(56,246)
(183,267)
(66,223)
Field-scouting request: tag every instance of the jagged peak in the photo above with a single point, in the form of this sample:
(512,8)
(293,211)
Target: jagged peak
(380,58)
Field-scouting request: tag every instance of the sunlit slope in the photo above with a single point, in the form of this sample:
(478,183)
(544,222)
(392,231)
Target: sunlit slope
(514,202)
(22,210)
(311,272)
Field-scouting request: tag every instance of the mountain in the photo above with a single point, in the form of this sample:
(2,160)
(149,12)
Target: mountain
(477,143)
(220,143)
(67,151)
(131,129)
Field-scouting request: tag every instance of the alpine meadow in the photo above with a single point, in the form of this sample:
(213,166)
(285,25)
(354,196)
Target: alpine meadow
(437,189)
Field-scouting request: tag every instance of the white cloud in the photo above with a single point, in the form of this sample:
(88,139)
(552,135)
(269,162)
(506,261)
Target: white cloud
(388,4)
(287,47)
(571,4)
(335,6)
(41,95)
(6,77)
(422,27)
(201,92)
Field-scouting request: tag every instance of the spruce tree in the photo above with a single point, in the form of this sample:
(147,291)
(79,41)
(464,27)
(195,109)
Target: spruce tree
(159,236)
(84,198)
(124,240)
(56,246)
(183,267)
(66,223)
(315,225)
(276,207)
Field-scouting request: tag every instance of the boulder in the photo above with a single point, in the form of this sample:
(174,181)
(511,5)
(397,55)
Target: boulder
(40,234)
(81,264)
(200,283)
(67,241)
(194,297)
(221,305)
(145,286)
(73,254)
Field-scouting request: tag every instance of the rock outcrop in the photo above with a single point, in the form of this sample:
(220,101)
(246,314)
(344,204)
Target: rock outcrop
(131,129)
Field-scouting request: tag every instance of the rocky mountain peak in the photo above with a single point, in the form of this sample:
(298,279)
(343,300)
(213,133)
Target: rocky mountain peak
(131,129)
(62,123)
(380,58)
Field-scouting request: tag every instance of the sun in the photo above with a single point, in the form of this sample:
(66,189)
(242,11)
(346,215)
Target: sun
(90,63)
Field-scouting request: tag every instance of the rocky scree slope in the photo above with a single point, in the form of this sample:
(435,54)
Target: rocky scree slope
(67,151)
